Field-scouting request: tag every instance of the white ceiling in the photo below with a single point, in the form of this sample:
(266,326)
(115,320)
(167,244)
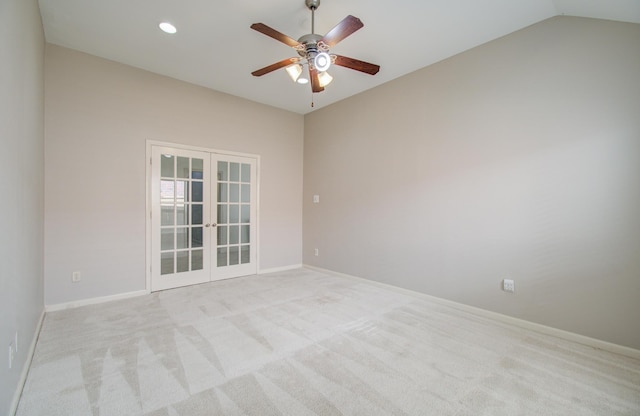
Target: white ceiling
(215,47)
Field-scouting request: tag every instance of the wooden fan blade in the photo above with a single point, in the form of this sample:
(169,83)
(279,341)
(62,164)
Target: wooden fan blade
(315,81)
(346,27)
(356,64)
(272,33)
(273,67)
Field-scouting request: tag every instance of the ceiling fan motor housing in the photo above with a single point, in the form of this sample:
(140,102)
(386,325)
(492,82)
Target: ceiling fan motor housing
(312,46)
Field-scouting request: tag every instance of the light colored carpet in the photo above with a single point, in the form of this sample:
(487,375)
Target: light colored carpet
(308,343)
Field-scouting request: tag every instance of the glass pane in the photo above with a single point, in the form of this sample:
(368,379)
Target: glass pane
(196,214)
(222,236)
(196,260)
(244,255)
(196,169)
(182,217)
(246,172)
(222,214)
(196,237)
(182,238)
(223,171)
(234,214)
(244,234)
(222,192)
(166,215)
(234,190)
(182,191)
(245,212)
(222,257)
(233,255)
(234,172)
(166,166)
(197,191)
(182,261)
(183,167)
(166,263)
(166,239)
(233,234)
(246,193)
(167,192)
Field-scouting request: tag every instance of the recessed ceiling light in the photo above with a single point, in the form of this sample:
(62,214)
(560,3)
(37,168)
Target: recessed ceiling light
(167,27)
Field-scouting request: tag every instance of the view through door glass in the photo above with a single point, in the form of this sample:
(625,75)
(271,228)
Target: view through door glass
(181,205)
(234,214)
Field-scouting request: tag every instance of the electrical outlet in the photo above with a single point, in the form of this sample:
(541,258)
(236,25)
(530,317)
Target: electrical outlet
(316,199)
(508,285)
(76,277)
(316,252)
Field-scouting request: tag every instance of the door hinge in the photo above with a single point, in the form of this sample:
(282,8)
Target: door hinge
(151,161)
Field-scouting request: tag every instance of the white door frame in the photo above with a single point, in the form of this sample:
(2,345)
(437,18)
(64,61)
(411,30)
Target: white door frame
(148,227)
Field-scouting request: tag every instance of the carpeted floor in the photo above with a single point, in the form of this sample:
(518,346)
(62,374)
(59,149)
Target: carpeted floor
(308,343)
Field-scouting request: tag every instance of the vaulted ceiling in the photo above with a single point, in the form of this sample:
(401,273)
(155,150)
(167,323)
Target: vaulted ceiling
(215,48)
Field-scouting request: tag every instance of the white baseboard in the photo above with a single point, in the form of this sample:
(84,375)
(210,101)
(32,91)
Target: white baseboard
(280,269)
(26,366)
(102,299)
(93,301)
(521,323)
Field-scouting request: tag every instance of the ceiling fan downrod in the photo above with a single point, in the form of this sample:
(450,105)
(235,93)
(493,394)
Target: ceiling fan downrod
(312,5)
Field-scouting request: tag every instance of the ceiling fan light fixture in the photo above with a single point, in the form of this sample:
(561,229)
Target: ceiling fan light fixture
(294,72)
(324,78)
(313,52)
(167,27)
(322,61)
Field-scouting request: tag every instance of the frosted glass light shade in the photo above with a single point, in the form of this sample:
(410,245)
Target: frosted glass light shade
(324,79)
(294,71)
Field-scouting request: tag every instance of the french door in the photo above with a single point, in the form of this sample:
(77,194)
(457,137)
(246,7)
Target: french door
(203,217)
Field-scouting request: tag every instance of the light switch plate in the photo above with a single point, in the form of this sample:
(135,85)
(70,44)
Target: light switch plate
(509,285)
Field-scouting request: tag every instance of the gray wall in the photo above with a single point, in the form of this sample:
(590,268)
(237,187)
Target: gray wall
(516,159)
(21,184)
(99,116)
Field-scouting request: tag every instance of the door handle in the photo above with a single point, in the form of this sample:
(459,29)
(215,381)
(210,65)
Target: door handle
(211,225)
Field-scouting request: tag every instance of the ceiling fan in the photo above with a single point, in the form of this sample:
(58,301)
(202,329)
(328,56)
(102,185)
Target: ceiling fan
(314,51)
